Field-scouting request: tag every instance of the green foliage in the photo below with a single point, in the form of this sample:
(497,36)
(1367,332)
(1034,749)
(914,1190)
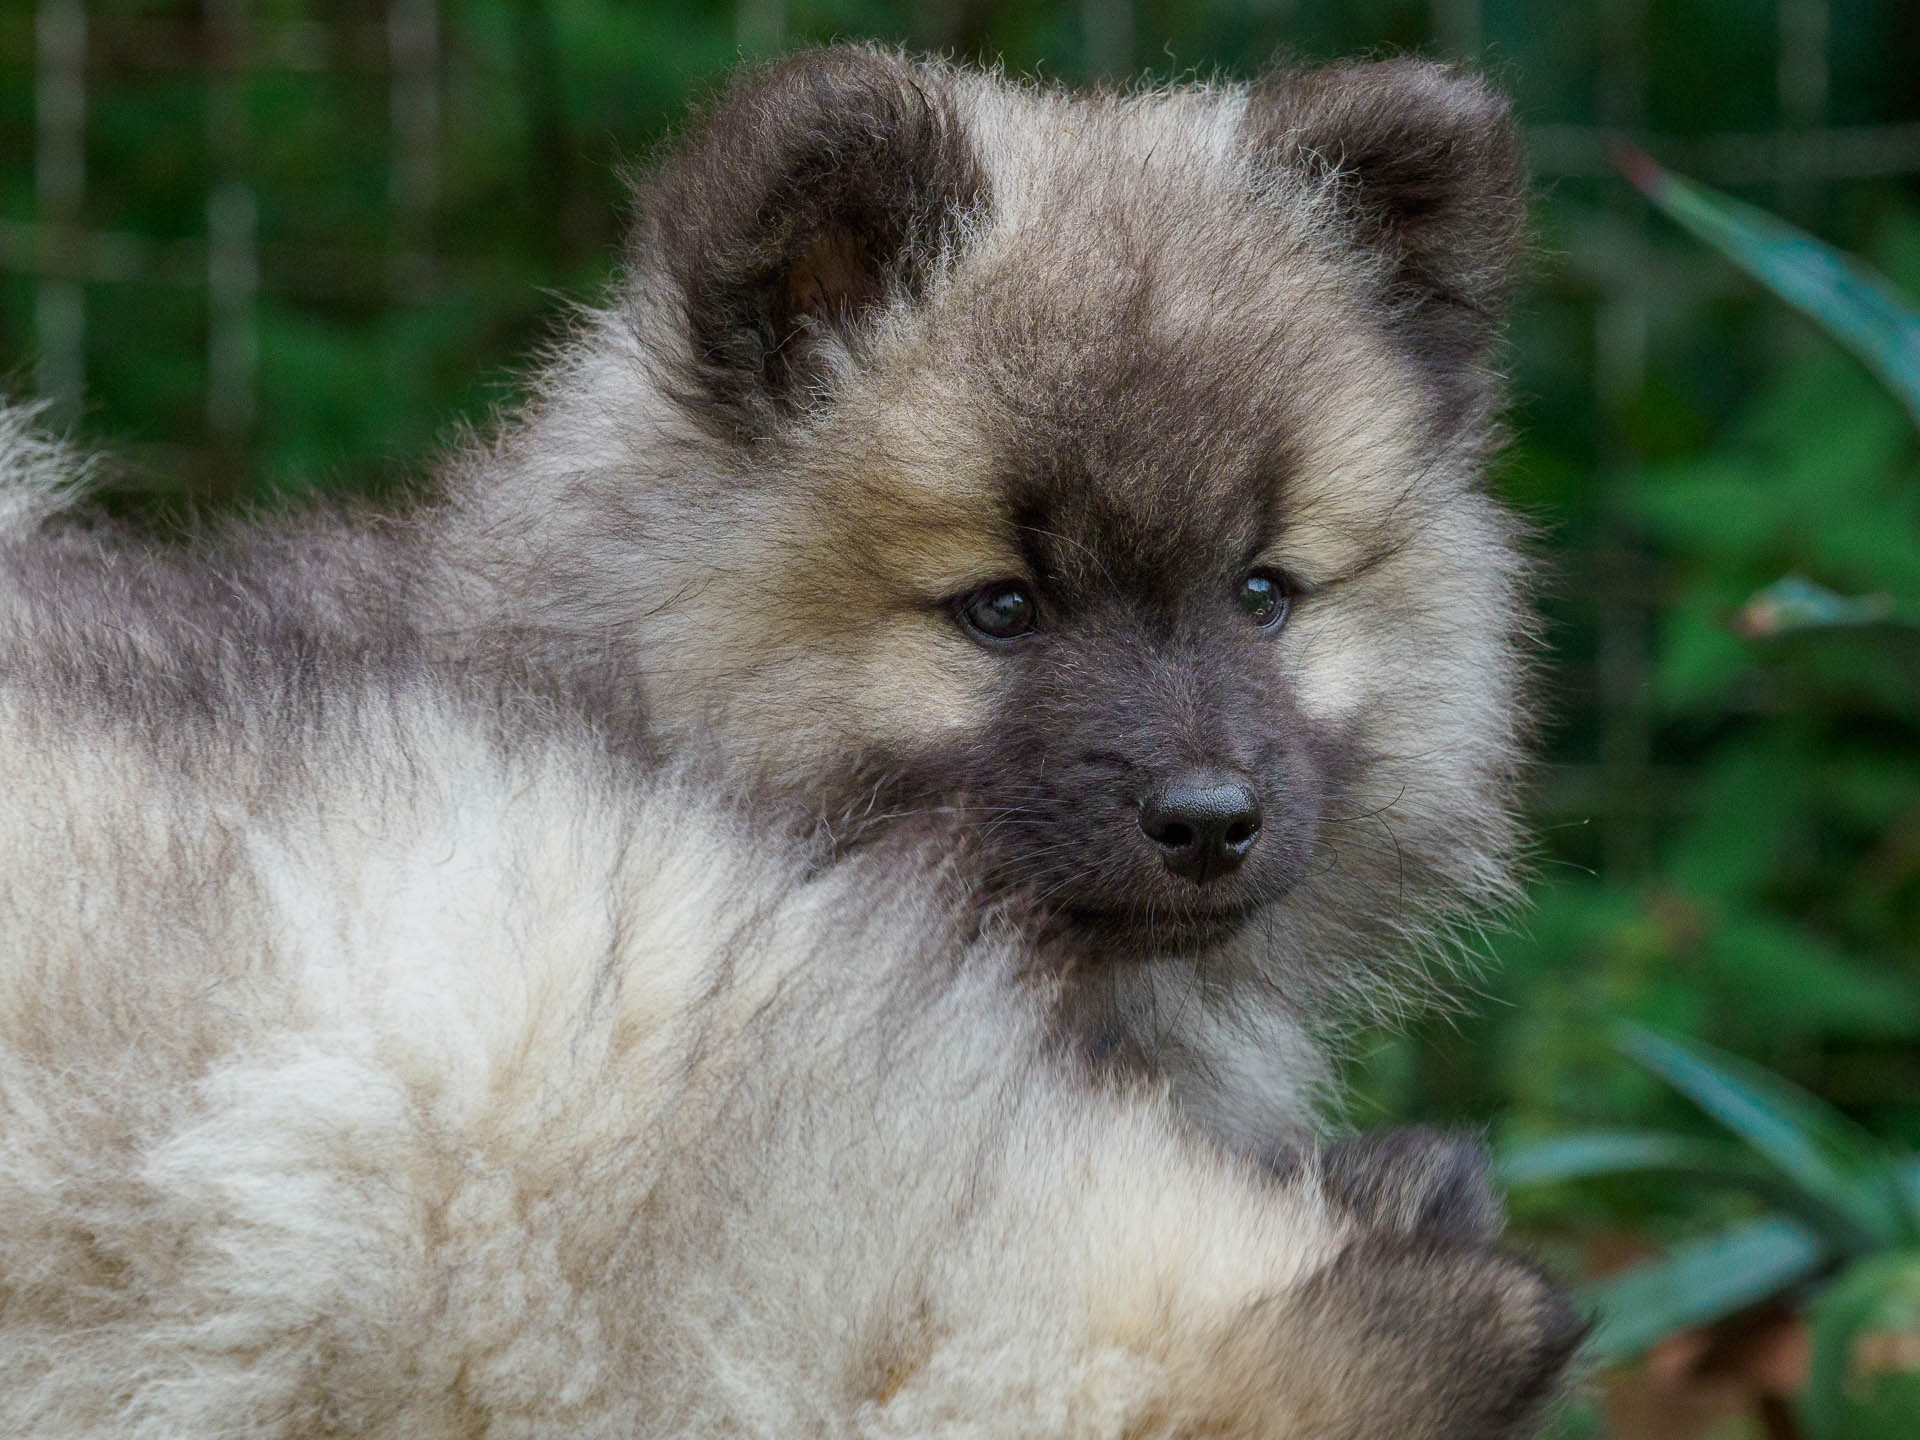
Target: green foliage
(1856,1214)
(1775,906)
(1849,1185)
(1701,1281)
(1852,1236)
(1851,303)
(1865,1383)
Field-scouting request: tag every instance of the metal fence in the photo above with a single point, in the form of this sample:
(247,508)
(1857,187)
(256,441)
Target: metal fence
(223,46)
(226,42)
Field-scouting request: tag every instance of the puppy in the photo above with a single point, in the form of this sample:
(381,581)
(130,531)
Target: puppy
(1103,471)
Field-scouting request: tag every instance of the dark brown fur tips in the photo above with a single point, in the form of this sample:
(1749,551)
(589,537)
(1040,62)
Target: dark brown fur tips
(1426,169)
(813,193)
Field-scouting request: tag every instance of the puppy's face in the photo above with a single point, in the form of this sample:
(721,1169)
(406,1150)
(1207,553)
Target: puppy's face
(1105,472)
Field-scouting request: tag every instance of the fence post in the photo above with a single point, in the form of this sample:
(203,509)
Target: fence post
(1802,78)
(233,259)
(413,177)
(60,183)
(1619,373)
(1458,30)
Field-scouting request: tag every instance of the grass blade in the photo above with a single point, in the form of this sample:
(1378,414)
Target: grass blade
(1700,1282)
(1831,1161)
(1851,303)
(1616,1152)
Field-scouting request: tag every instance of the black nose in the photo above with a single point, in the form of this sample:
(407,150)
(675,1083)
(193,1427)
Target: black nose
(1203,823)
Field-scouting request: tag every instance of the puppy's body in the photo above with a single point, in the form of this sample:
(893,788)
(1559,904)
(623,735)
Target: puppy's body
(894,337)
(382,1054)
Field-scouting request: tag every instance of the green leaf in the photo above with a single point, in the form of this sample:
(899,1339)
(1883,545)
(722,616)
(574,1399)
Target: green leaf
(1795,982)
(1613,1152)
(1599,1153)
(1858,308)
(1700,1282)
(1865,1381)
(1838,1167)
(1796,603)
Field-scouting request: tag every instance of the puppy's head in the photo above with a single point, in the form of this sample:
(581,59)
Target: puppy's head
(1103,469)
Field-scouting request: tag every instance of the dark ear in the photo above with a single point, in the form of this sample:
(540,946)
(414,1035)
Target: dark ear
(1425,161)
(817,188)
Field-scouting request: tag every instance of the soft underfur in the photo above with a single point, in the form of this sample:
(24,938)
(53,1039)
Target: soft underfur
(890,331)
(383,1055)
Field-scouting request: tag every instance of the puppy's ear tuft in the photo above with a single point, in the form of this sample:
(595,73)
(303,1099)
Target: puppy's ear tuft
(818,189)
(1426,167)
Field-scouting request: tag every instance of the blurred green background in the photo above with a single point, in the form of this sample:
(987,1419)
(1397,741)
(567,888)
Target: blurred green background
(255,247)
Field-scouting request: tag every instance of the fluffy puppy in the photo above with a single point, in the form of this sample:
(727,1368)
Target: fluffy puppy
(1084,487)
(1102,469)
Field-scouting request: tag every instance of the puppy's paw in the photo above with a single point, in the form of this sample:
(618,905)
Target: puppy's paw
(1415,1181)
(1420,1330)
(1414,1337)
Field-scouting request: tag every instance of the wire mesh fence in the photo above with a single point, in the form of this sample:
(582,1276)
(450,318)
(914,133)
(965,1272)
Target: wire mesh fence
(223,50)
(234,57)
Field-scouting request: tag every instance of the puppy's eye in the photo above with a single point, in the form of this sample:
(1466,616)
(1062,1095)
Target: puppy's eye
(1001,611)
(1265,596)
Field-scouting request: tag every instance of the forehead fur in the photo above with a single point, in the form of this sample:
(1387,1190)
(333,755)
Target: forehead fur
(1149,347)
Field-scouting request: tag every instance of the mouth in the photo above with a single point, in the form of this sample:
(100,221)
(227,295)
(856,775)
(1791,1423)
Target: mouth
(1122,935)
